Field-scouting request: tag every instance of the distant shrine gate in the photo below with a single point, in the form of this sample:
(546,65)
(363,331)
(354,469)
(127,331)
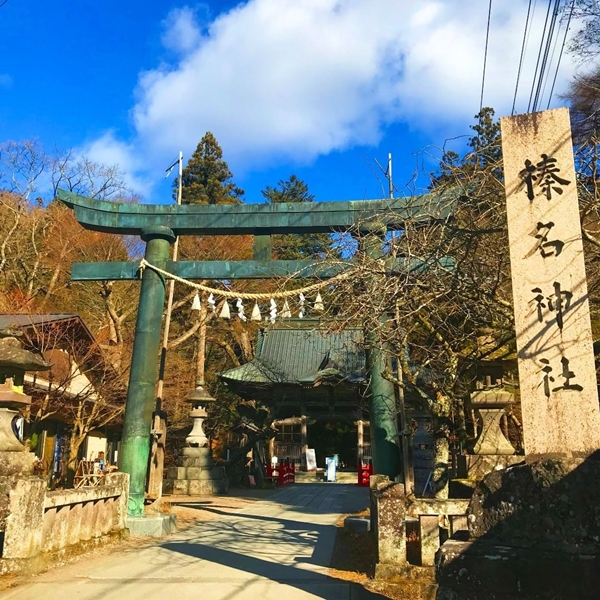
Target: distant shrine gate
(159,226)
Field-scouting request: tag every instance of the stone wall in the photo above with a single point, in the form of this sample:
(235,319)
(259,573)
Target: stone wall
(409,531)
(393,514)
(42,523)
(533,534)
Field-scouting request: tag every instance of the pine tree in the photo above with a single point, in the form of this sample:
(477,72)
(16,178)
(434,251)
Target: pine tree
(207,178)
(292,246)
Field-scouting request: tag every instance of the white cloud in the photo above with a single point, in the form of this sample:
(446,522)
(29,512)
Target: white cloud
(108,150)
(281,80)
(181,33)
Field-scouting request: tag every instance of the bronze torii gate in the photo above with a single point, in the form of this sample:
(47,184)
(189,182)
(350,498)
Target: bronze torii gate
(159,225)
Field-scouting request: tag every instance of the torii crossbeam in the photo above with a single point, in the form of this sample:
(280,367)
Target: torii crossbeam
(159,225)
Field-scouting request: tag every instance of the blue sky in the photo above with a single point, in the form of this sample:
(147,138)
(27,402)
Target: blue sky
(319,88)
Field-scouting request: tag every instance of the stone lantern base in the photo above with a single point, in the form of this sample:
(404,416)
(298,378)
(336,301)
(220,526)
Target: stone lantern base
(14,457)
(195,475)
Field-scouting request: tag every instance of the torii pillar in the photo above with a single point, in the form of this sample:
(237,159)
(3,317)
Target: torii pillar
(381,393)
(135,449)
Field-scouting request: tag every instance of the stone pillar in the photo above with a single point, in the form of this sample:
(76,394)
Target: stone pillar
(23,526)
(390,515)
(135,447)
(157,452)
(430,538)
(557,376)
(121,481)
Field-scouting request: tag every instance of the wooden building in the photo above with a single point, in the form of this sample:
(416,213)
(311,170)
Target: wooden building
(80,395)
(312,379)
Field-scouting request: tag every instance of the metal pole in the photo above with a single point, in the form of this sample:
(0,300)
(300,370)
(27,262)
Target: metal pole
(135,448)
(389,175)
(165,341)
(159,426)
(382,397)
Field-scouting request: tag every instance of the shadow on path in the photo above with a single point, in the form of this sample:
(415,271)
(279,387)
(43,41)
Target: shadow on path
(308,581)
(304,498)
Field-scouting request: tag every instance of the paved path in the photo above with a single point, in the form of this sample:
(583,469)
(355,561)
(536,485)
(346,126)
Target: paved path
(274,549)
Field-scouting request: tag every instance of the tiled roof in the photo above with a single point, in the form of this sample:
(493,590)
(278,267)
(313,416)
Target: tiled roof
(26,320)
(291,354)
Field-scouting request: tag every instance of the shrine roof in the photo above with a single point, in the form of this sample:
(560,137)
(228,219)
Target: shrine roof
(301,354)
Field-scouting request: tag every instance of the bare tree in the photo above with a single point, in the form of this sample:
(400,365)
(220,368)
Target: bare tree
(82,386)
(585,44)
(439,300)
(21,165)
(80,175)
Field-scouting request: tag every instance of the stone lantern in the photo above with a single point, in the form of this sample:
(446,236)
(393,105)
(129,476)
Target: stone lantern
(195,473)
(14,362)
(200,400)
(489,404)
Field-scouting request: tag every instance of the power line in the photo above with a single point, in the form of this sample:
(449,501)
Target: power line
(525,40)
(562,48)
(487,37)
(537,64)
(547,72)
(543,68)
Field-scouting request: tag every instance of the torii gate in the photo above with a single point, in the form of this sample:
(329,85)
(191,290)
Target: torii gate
(159,226)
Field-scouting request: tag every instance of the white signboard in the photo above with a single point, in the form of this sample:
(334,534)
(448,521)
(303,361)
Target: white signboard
(311,459)
(330,466)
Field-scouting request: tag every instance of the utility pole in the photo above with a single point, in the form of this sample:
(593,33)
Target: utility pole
(403,434)
(405,430)
(159,417)
(163,353)
(388,174)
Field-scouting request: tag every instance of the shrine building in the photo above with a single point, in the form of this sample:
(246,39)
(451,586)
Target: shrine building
(313,380)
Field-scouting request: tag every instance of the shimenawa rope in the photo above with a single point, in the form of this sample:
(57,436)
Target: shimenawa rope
(243,295)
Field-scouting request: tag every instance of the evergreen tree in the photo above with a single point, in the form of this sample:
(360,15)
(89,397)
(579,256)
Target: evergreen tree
(485,155)
(207,178)
(292,190)
(292,246)
(487,150)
